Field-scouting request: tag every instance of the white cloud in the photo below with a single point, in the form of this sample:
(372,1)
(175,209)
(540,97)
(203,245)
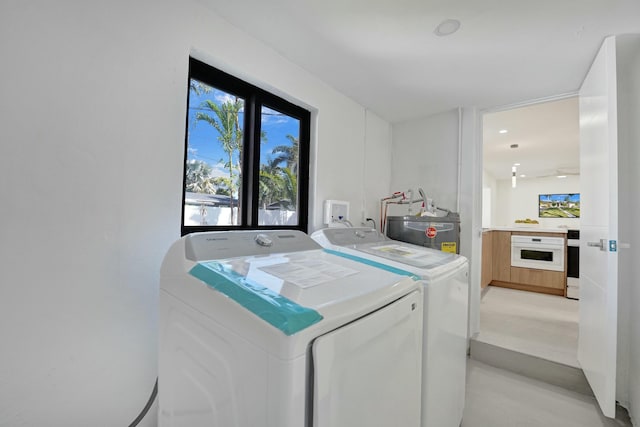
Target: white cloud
(273,117)
(219,170)
(222,97)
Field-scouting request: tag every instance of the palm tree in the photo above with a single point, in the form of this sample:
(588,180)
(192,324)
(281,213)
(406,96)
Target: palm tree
(278,183)
(270,182)
(198,87)
(289,154)
(198,177)
(225,121)
(290,180)
(223,186)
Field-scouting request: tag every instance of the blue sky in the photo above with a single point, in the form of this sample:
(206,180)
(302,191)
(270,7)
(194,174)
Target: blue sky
(203,138)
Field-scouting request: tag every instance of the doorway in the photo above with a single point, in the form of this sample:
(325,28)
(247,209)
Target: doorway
(529,151)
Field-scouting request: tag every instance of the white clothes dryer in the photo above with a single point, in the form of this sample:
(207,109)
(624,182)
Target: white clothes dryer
(445,277)
(268,329)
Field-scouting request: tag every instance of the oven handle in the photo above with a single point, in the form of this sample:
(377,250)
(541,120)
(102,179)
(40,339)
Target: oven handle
(535,247)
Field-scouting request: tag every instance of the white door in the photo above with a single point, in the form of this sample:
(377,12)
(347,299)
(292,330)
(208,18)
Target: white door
(597,346)
(368,373)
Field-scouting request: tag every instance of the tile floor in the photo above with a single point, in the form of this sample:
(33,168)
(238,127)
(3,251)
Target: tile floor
(541,325)
(499,398)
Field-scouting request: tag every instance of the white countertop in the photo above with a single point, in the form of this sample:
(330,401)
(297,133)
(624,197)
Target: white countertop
(528,229)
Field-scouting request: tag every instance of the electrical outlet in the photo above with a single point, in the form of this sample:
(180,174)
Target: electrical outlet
(335,211)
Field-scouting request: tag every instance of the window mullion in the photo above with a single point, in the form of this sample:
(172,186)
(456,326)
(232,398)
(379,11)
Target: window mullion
(256,153)
(250,156)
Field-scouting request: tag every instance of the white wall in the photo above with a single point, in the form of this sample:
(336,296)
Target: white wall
(489,205)
(522,202)
(377,169)
(425,154)
(92,107)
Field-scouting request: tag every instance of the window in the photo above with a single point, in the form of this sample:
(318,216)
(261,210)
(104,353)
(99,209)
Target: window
(246,156)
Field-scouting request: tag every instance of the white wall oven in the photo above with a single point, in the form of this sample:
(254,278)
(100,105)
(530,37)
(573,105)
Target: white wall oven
(542,253)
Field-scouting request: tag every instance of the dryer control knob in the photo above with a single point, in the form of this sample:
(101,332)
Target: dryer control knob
(263,240)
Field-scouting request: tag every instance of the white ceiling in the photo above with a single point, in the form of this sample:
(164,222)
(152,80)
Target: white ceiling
(547,135)
(384,53)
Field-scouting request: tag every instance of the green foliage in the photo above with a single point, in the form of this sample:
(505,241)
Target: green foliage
(198,177)
(280,183)
(198,88)
(270,184)
(224,118)
(223,185)
(288,154)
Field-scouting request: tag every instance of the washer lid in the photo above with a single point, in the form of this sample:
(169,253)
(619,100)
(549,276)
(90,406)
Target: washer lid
(292,291)
(371,242)
(413,255)
(270,306)
(351,236)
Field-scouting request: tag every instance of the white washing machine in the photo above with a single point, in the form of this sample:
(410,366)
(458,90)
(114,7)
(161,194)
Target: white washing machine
(268,329)
(445,277)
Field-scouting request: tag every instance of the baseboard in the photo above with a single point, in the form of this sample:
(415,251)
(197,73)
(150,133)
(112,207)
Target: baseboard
(529,288)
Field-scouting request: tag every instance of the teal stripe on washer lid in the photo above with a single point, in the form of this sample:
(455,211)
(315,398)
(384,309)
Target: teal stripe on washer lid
(270,306)
(373,263)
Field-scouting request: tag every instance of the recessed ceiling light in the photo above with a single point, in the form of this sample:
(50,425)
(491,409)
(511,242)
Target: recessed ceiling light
(562,176)
(447,27)
(516,164)
(523,176)
(513,146)
(503,131)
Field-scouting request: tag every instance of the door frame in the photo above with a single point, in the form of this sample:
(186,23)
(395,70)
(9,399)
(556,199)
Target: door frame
(477,176)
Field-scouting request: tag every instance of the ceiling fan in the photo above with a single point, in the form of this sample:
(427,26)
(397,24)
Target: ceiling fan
(561,172)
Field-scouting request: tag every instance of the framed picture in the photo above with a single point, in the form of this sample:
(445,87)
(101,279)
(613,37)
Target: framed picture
(559,205)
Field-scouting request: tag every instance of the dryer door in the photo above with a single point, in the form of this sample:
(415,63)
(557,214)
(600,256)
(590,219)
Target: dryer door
(368,373)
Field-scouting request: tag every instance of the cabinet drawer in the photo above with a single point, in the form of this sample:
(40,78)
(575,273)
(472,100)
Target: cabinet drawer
(543,278)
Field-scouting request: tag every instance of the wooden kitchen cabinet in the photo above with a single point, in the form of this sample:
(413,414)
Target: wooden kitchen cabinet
(498,271)
(501,259)
(551,282)
(487,259)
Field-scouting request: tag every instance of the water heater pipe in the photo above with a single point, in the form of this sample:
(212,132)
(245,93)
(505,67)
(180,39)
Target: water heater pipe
(459,159)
